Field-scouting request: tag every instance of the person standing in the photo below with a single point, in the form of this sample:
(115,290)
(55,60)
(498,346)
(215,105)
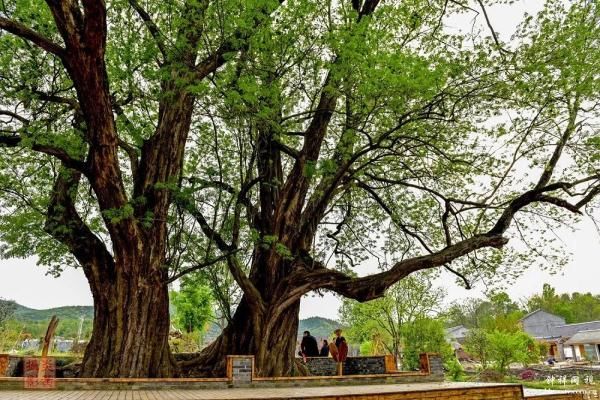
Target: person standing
(341,345)
(341,350)
(324,349)
(309,345)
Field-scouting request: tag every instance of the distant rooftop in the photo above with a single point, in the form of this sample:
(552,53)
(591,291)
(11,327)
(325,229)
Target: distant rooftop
(538,311)
(455,328)
(585,337)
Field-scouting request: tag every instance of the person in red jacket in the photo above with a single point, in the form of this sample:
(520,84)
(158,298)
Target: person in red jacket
(338,348)
(342,346)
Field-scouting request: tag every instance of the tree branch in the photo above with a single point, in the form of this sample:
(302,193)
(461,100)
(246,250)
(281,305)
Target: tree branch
(391,214)
(232,262)
(32,36)
(551,164)
(53,98)
(314,275)
(152,27)
(14,115)
(65,225)
(489,24)
(237,42)
(200,266)
(461,276)
(62,155)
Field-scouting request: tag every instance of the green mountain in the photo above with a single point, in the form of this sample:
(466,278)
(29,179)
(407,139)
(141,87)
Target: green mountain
(32,322)
(35,322)
(23,313)
(319,327)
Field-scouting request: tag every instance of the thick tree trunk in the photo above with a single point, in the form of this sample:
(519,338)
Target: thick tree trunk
(131,328)
(272,339)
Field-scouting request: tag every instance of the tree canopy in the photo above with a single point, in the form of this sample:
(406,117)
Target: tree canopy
(193,306)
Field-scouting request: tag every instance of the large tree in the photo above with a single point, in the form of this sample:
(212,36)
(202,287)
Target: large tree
(151,140)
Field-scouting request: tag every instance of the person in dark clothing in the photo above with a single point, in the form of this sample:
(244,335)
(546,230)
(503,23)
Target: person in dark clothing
(309,345)
(324,349)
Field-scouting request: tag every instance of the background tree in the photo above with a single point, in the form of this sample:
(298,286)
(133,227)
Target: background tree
(288,143)
(477,344)
(503,347)
(386,320)
(506,348)
(424,335)
(497,311)
(574,307)
(7,310)
(193,306)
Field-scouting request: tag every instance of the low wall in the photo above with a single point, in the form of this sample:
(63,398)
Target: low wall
(504,392)
(327,366)
(240,373)
(372,365)
(12,366)
(562,396)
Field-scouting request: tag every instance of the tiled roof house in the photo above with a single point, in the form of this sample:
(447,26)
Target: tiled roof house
(577,342)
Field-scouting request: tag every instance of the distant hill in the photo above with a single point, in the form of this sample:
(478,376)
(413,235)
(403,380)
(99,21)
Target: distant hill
(32,322)
(23,313)
(318,327)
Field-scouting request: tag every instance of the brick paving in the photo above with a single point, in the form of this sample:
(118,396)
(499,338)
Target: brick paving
(366,391)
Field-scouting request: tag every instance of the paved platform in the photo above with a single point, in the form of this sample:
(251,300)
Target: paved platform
(376,392)
(544,394)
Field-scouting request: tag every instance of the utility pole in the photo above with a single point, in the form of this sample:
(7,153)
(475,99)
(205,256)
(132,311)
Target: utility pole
(80,330)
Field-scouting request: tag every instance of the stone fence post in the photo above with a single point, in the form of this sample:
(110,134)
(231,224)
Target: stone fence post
(240,369)
(10,365)
(431,364)
(390,364)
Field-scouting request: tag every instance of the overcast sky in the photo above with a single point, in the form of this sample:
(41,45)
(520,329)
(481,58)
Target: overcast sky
(26,283)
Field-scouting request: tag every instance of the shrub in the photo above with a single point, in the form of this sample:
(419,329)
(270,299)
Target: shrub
(491,375)
(527,375)
(455,369)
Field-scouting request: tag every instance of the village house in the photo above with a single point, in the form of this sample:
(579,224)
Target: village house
(587,343)
(575,342)
(456,337)
(457,334)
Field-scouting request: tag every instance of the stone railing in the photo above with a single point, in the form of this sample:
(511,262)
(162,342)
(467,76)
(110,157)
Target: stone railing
(240,372)
(430,363)
(372,365)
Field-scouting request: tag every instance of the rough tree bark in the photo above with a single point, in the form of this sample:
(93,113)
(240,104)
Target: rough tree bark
(270,338)
(130,332)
